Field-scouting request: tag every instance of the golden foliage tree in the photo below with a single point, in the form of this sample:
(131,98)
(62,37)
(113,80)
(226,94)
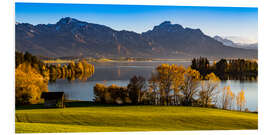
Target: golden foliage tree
(85,69)
(190,86)
(169,77)
(227,98)
(164,75)
(29,84)
(177,81)
(240,100)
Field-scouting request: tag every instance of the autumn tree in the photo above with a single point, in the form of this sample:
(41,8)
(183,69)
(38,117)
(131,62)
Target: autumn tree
(29,84)
(227,98)
(240,100)
(81,70)
(177,81)
(79,67)
(165,77)
(190,86)
(99,91)
(209,89)
(112,94)
(84,70)
(19,58)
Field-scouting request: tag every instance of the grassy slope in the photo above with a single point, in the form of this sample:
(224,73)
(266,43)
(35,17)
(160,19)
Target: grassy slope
(131,118)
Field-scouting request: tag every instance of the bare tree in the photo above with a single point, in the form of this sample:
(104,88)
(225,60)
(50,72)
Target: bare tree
(135,87)
(153,87)
(209,89)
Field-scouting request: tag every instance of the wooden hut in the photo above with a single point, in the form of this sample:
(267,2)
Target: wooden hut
(53,99)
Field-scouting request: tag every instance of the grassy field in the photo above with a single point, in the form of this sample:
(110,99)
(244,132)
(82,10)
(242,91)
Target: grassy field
(131,118)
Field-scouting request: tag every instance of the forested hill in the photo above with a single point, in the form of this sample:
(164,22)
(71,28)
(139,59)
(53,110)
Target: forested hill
(71,37)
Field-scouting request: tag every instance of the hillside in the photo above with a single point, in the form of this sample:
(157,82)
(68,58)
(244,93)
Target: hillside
(71,37)
(230,43)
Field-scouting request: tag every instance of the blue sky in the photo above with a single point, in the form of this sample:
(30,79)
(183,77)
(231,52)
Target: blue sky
(222,21)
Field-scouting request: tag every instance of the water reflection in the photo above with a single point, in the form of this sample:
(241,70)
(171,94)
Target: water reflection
(84,76)
(241,77)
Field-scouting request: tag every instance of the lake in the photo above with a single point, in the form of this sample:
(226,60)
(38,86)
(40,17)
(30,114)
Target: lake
(119,73)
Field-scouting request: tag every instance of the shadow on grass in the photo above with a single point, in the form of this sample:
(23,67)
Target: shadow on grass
(29,107)
(69,104)
(91,104)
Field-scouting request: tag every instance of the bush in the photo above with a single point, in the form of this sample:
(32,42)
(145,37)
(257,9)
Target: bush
(111,95)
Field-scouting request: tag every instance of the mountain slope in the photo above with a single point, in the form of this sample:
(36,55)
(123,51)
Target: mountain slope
(71,37)
(230,43)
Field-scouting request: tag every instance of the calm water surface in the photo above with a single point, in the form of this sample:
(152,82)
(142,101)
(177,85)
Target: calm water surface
(119,73)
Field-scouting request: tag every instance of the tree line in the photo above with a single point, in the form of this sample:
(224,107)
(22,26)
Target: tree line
(80,70)
(32,76)
(172,85)
(71,71)
(234,69)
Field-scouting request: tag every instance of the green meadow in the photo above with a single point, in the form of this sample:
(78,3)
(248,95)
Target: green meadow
(131,118)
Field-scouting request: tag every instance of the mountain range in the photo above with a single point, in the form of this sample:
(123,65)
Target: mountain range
(231,43)
(70,37)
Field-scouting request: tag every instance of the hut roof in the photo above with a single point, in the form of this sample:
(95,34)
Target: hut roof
(52,95)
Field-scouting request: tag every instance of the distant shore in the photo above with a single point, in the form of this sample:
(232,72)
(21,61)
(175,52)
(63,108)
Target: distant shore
(104,60)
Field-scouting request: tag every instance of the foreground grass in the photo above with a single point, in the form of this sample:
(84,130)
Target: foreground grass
(131,118)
